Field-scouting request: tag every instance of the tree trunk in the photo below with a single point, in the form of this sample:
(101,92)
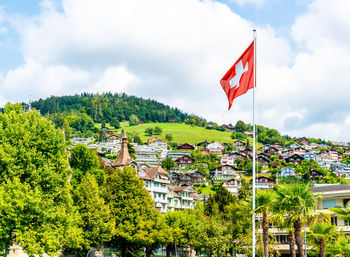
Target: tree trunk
(149,251)
(322,248)
(299,238)
(293,252)
(168,249)
(265,227)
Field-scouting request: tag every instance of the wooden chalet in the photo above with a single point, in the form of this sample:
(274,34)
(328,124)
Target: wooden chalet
(189,178)
(263,182)
(202,144)
(186,146)
(240,144)
(172,120)
(271,150)
(232,185)
(294,158)
(184,161)
(263,159)
(302,140)
(316,175)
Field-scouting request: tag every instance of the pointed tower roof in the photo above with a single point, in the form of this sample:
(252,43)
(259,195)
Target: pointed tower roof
(123,158)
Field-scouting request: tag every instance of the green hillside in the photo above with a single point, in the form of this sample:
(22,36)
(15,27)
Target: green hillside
(182,133)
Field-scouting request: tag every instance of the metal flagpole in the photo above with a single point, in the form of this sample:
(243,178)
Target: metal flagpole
(253,200)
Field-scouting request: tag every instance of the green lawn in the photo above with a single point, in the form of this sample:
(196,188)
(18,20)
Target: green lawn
(182,133)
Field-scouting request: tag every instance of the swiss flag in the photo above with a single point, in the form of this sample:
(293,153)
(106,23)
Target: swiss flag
(240,77)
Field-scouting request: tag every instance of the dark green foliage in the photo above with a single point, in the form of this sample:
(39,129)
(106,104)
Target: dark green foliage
(218,201)
(167,164)
(137,140)
(133,120)
(169,137)
(149,131)
(115,123)
(158,131)
(240,126)
(104,107)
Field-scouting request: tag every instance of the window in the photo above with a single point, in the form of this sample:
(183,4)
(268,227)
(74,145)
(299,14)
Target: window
(329,204)
(334,221)
(346,201)
(346,222)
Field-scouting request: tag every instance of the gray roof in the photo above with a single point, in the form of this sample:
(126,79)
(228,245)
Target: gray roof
(330,188)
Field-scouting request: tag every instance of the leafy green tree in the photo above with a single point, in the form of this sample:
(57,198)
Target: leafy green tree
(130,216)
(35,208)
(264,202)
(133,120)
(67,130)
(240,126)
(84,160)
(169,137)
(212,238)
(157,130)
(168,164)
(137,140)
(219,201)
(343,213)
(96,222)
(115,123)
(149,131)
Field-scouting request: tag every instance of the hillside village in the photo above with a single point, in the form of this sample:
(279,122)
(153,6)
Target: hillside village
(180,185)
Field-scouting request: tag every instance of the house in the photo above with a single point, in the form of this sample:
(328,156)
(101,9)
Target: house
(184,161)
(224,172)
(240,144)
(186,146)
(247,151)
(249,133)
(112,139)
(309,156)
(271,150)
(299,150)
(157,141)
(340,144)
(227,159)
(188,178)
(140,122)
(294,158)
(229,128)
(172,120)
(209,126)
(181,197)
(287,172)
(202,144)
(156,182)
(174,155)
(263,159)
(333,196)
(236,155)
(232,185)
(146,155)
(215,148)
(331,154)
(347,152)
(302,140)
(341,169)
(263,182)
(316,175)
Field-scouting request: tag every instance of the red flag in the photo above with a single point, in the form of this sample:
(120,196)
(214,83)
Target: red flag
(240,77)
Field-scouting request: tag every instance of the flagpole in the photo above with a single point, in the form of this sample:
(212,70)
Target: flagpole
(253,200)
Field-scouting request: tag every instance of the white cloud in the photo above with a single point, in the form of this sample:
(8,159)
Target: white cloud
(176,51)
(257,3)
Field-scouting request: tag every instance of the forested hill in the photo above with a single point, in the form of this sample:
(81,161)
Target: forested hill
(103,107)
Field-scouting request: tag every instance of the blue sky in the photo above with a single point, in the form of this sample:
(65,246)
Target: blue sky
(176,51)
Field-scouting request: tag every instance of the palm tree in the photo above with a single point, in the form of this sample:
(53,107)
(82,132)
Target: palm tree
(343,213)
(297,202)
(320,232)
(279,218)
(264,199)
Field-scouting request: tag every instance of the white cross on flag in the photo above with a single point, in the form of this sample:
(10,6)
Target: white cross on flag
(240,77)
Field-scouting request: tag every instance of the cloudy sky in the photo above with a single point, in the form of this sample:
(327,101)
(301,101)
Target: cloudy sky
(176,51)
